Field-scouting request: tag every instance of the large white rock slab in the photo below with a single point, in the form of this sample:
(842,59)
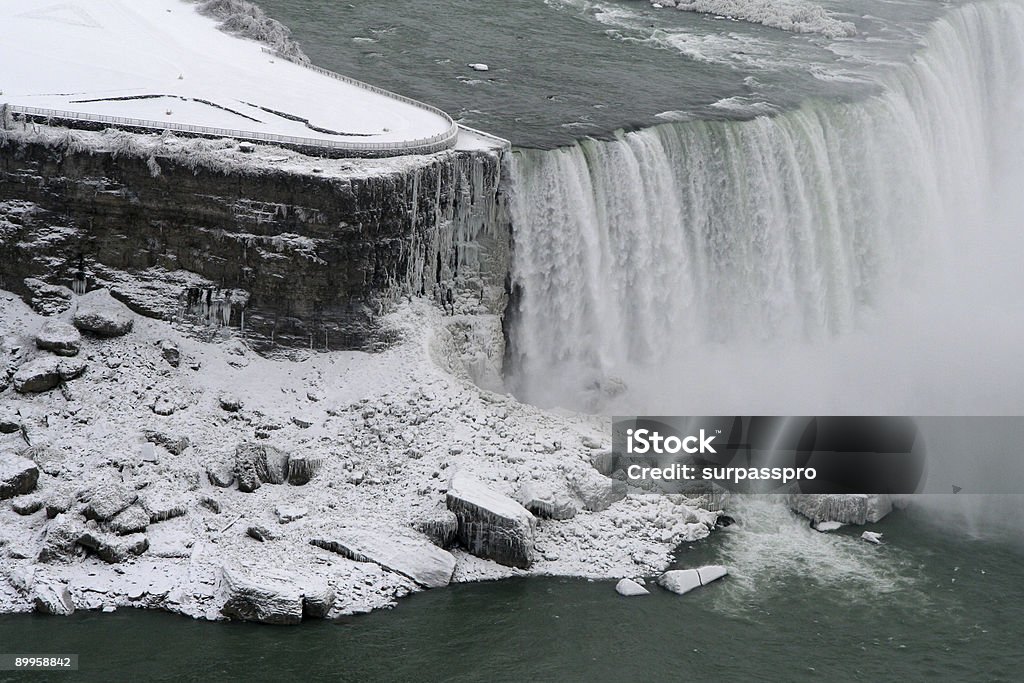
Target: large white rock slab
(415,558)
(102,315)
(491,525)
(630,588)
(682,581)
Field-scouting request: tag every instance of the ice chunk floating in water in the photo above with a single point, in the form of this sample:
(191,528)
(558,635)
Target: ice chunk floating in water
(814,260)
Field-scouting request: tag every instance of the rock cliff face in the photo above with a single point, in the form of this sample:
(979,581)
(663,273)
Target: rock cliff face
(294,251)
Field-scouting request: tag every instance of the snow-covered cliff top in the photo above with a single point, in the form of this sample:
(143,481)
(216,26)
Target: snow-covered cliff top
(163,61)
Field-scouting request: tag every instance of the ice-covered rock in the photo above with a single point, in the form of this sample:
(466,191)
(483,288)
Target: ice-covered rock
(27,505)
(317,597)
(546,500)
(439,524)
(872,537)
(129,521)
(230,402)
(60,540)
(260,533)
(491,525)
(43,374)
(603,462)
(102,315)
(828,526)
(415,558)
(174,443)
(267,599)
(257,464)
(629,588)
(162,505)
(10,421)
(290,513)
(711,572)
(596,491)
(682,581)
(48,299)
(52,597)
(18,476)
(111,548)
(845,508)
(221,474)
(60,338)
(169,350)
(302,468)
(108,499)
(479,66)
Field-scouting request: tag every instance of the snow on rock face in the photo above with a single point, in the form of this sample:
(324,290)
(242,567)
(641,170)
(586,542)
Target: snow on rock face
(268,600)
(546,500)
(43,374)
(439,524)
(18,476)
(52,597)
(60,338)
(629,588)
(491,525)
(844,508)
(596,491)
(417,559)
(114,549)
(257,464)
(102,315)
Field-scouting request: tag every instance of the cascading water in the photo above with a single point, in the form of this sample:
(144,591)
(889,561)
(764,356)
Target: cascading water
(816,260)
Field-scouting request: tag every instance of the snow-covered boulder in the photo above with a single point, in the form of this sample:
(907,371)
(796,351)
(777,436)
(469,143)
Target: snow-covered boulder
(491,525)
(108,499)
(52,597)
(18,476)
(439,524)
(260,533)
(268,599)
(174,443)
(825,527)
(27,505)
(169,350)
(596,491)
(60,541)
(257,464)
(43,374)
(546,500)
(10,421)
(415,558)
(162,506)
(129,521)
(60,338)
(682,581)
(844,508)
(222,475)
(629,588)
(111,548)
(102,315)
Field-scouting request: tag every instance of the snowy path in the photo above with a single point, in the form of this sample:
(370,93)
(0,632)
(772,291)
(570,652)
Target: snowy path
(162,62)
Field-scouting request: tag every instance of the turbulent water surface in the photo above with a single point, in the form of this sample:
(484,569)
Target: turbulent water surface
(799,606)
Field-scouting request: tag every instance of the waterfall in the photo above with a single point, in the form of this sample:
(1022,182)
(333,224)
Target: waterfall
(742,265)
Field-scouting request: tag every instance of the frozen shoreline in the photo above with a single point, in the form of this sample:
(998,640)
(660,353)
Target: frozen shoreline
(390,428)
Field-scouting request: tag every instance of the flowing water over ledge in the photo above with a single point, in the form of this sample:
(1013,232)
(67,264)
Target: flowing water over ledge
(798,605)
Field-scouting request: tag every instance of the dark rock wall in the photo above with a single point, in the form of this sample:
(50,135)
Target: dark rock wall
(291,259)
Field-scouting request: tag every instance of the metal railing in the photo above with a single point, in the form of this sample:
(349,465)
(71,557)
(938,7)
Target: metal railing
(429,145)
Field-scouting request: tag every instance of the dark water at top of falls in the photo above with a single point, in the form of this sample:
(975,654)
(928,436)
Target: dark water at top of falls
(564,69)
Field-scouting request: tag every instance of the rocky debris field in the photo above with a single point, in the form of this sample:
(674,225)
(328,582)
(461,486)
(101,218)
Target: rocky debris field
(141,467)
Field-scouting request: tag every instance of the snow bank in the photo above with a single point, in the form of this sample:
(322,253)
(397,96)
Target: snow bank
(789,15)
